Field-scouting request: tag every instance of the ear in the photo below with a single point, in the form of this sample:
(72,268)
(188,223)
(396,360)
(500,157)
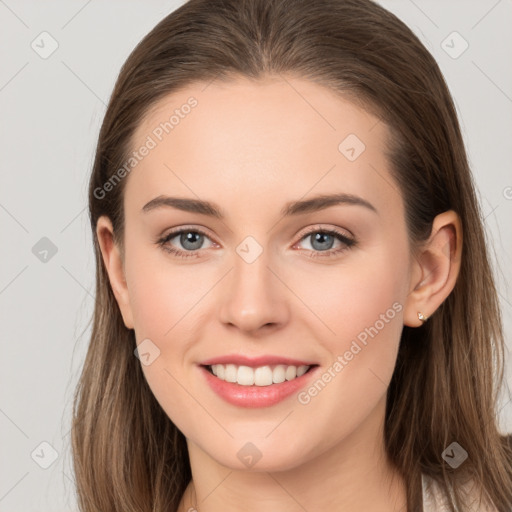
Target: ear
(114,265)
(435,268)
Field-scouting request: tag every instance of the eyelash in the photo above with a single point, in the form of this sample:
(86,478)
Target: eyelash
(348,243)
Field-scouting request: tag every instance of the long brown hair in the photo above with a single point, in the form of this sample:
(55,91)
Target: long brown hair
(127,454)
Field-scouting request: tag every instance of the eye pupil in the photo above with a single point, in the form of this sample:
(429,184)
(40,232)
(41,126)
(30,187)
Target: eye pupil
(188,238)
(191,242)
(321,238)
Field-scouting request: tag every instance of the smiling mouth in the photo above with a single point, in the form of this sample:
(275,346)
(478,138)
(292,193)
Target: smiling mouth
(259,376)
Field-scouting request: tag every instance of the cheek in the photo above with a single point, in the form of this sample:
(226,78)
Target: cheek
(165,299)
(154,301)
(160,292)
(161,298)
(360,305)
(352,296)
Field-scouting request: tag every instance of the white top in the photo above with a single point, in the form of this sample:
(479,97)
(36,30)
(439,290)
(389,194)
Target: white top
(435,501)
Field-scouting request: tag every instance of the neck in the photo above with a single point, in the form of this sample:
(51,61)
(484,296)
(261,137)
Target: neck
(355,474)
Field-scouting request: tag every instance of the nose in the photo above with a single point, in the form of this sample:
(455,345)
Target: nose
(254,298)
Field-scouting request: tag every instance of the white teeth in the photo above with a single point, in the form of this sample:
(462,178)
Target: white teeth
(230,375)
(301,370)
(261,376)
(279,374)
(291,372)
(245,376)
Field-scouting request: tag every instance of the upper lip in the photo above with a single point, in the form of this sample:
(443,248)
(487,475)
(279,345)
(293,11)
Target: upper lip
(255,362)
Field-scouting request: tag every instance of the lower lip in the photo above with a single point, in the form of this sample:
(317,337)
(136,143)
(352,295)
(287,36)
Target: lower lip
(256,396)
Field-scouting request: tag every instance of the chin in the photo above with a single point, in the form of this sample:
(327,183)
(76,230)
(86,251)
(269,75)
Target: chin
(257,456)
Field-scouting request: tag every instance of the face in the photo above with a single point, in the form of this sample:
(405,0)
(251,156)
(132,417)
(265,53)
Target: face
(316,283)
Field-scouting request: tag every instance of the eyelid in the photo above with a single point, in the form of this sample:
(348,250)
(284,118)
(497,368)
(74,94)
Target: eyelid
(309,230)
(193,228)
(347,240)
(319,227)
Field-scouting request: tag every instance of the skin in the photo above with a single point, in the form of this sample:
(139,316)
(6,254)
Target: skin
(250,147)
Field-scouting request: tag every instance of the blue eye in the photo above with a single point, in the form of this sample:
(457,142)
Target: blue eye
(321,241)
(190,239)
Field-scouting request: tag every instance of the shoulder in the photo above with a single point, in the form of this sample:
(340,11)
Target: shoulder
(435,500)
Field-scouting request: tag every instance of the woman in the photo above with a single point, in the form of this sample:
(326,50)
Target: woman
(295,305)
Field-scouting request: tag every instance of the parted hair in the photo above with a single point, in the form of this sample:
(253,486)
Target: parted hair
(127,454)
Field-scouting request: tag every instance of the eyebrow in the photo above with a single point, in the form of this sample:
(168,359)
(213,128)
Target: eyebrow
(209,208)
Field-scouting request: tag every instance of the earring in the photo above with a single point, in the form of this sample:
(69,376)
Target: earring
(422,317)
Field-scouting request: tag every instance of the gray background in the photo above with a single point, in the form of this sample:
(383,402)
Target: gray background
(51,111)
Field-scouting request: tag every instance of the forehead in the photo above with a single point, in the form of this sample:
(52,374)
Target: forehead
(278,136)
